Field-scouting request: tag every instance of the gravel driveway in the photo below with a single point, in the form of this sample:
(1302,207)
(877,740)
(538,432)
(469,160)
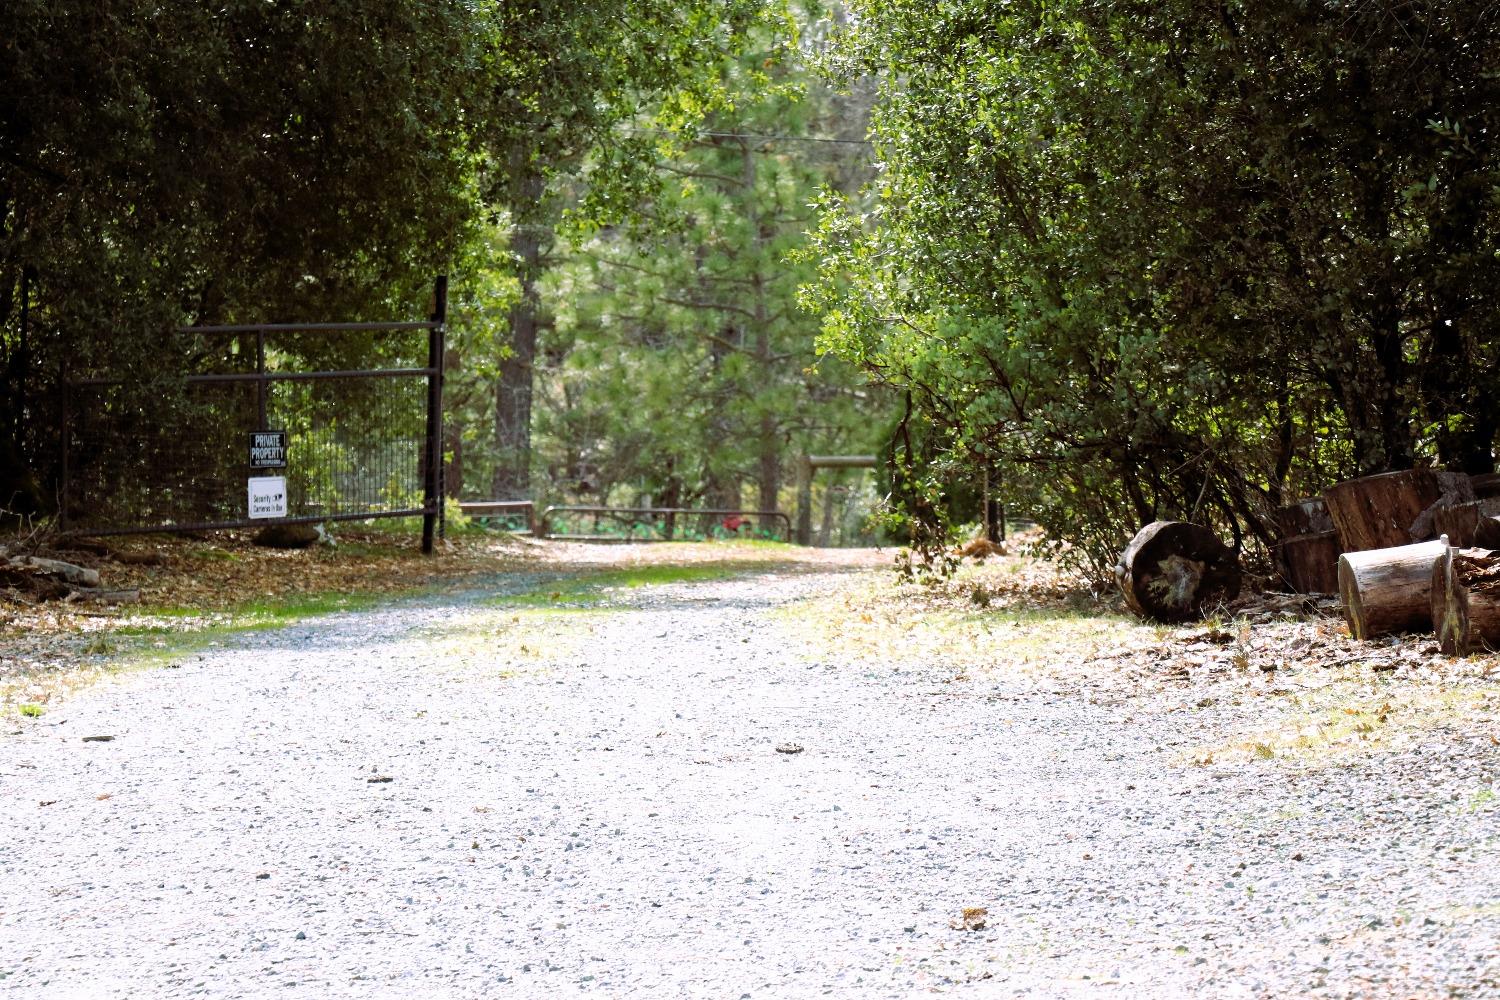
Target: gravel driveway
(615,819)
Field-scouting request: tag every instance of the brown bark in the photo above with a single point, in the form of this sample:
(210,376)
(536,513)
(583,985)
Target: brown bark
(1465,601)
(1306,517)
(1470,524)
(1393,508)
(1388,590)
(1172,570)
(1486,485)
(512,475)
(1309,564)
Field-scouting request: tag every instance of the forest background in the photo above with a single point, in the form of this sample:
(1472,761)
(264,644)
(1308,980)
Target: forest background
(1183,259)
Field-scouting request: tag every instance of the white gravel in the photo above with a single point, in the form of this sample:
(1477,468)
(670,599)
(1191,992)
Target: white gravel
(619,823)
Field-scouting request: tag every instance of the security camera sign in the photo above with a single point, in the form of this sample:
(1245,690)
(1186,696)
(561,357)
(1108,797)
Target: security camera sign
(268,449)
(267,496)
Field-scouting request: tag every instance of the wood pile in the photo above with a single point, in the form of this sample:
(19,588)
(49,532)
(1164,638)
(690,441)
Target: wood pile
(1410,551)
(31,571)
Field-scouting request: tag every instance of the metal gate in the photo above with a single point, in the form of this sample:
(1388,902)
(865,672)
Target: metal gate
(262,424)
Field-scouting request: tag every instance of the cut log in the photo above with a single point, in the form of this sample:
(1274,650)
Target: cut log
(103,596)
(1381,512)
(1486,485)
(1307,517)
(79,576)
(289,536)
(25,580)
(1309,564)
(1172,570)
(1388,590)
(1470,524)
(1465,601)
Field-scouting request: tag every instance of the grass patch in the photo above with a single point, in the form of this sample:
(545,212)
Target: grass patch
(1009,616)
(1357,713)
(591,588)
(31,710)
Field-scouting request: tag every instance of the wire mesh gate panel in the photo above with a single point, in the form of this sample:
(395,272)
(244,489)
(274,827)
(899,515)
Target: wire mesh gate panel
(301,405)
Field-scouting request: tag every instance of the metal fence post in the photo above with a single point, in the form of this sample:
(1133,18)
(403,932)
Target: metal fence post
(433,518)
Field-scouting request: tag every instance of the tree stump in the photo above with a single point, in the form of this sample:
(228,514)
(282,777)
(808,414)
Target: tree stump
(289,536)
(1470,524)
(1172,570)
(1465,601)
(1393,508)
(1388,590)
(1309,564)
(1306,517)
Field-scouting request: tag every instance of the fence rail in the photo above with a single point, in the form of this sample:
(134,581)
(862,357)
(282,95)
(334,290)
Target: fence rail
(660,523)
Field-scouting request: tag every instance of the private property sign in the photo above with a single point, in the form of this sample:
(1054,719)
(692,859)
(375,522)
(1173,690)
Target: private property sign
(267,497)
(268,449)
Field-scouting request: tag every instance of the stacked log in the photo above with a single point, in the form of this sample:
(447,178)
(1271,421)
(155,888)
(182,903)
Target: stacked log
(1388,590)
(1172,570)
(1486,485)
(1474,524)
(1465,600)
(1394,508)
(1305,517)
(1309,564)
(1308,552)
(43,578)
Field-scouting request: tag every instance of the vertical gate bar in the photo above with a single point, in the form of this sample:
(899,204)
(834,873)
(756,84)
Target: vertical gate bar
(804,501)
(433,480)
(260,386)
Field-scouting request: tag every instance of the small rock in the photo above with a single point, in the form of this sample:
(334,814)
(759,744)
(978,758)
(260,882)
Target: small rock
(97,739)
(379,779)
(789,748)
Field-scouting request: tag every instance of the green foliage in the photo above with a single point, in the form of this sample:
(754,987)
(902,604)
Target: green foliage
(1182,260)
(674,365)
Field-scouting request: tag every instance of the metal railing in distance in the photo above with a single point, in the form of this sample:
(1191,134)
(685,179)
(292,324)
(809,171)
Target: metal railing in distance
(659,524)
(505,511)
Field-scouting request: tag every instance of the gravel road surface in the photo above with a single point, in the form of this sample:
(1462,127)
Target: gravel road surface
(401,802)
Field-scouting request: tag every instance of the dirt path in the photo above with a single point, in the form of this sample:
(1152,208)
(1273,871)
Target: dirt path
(593,803)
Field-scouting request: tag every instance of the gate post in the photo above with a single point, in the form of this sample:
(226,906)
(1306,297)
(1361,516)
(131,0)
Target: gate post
(804,500)
(432,486)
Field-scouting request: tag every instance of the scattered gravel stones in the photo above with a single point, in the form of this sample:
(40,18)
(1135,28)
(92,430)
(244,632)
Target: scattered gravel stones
(610,824)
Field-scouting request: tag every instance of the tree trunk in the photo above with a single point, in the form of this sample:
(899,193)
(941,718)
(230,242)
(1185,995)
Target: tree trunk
(1470,524)
(1309,564)
(831,494)
(1393,508)
(1465,601)
(1388,590)
(1172,570)
(512,476)
(768,436)
(1306,517)
(453,475)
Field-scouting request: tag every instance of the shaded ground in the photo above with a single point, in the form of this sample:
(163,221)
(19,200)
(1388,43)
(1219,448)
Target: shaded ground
(586,796)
